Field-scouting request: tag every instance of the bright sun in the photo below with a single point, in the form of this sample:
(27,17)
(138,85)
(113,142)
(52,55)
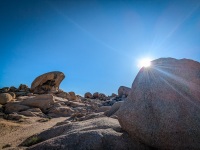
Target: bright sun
(145,62)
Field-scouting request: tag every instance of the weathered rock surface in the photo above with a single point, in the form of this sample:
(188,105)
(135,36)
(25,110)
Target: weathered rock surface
(163,108)
(43,102)
(5,97)
(124,91)
(48,82)
(99,134)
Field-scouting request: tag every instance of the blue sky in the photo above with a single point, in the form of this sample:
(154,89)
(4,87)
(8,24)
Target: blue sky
(96,44)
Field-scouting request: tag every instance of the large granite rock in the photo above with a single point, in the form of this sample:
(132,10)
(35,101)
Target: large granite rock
(163,108)
(94,134)
(123,91)
(48,82)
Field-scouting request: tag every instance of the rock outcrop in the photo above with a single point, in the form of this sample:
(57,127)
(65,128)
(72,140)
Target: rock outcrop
(163,107)
(48,82)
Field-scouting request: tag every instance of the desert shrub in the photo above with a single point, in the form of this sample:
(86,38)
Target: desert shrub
(31,141)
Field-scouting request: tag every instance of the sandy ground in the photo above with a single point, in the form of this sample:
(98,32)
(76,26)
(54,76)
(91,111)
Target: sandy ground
(14,133)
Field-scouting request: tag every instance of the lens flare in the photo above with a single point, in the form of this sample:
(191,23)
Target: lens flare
(145,62)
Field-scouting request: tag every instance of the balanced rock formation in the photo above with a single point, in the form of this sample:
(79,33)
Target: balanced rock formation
(163,108)
(123,91)
(48,82)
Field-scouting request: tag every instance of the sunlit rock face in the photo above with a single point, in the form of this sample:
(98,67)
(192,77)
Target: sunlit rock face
(48,82)
(163,108)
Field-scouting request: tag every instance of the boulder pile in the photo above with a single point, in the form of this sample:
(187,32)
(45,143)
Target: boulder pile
(45,99)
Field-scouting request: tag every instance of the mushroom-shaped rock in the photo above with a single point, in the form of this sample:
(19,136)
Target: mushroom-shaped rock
(48,82)
(163,108)
(124,91)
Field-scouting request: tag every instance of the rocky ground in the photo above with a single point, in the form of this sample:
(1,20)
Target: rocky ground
(160,111)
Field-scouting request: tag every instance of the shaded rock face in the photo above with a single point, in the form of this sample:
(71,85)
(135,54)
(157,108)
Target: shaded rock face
(163,107)
(48,82)
(124,91)
(94,134)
